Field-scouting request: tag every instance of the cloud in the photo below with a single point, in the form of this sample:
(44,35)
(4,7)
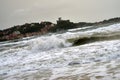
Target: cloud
(21,11)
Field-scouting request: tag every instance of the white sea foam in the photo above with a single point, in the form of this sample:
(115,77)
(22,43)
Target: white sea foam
(53,58)
(47,43)
(77,29)
(102,31)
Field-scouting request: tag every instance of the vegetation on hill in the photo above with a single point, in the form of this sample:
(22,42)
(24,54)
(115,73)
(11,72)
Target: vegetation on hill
(30,29)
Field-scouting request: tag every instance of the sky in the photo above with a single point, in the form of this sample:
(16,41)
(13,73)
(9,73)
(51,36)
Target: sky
(18,12)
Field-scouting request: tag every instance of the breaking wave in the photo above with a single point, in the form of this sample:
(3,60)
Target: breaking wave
(47,43)
(100,34)
(52,57)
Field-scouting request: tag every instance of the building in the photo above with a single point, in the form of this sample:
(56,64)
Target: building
(16,32)
(59,21)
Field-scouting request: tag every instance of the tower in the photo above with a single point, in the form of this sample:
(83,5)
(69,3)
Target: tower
(59,19)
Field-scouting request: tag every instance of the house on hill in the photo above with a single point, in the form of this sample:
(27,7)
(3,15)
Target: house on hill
(59,21)
(64,24)
(16,32)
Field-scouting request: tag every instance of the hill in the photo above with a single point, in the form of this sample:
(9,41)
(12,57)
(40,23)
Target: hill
(31,29)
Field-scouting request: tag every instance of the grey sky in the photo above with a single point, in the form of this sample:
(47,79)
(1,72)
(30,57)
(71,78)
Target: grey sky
(16,12)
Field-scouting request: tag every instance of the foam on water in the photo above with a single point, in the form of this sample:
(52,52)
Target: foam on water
(102,31)
(48,42)
(78,29)
(53,58)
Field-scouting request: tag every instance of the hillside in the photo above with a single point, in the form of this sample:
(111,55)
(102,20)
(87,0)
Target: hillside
(31,29)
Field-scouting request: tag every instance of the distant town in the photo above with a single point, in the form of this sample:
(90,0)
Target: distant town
(32,29)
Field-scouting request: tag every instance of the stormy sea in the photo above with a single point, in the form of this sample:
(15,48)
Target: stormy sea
(87,53)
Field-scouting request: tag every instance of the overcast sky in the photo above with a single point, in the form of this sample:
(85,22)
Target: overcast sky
(17,12)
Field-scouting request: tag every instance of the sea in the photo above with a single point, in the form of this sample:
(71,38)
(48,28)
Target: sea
(54,57)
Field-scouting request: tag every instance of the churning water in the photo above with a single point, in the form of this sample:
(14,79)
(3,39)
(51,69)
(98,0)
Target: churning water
(53,57)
